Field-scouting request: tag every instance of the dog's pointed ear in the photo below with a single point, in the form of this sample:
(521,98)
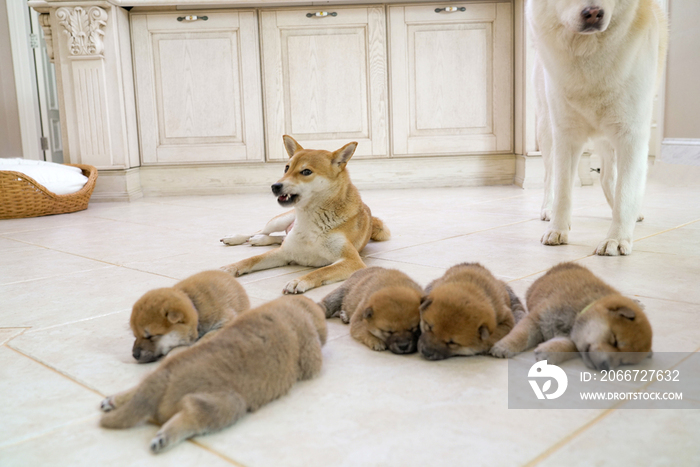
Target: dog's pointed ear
(425,302)
(175,316)
(484,332)
(368,313)
(291,145)
(343,155)
(624,311)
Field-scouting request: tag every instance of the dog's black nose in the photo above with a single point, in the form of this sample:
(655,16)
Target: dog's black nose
(136,353)
(277,188)
(403,346)
(592,15)
(605,365)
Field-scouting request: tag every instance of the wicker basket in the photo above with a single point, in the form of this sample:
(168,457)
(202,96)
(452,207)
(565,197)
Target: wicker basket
(22,196)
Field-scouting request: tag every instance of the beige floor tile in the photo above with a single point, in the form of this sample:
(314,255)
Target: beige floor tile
(42,399)
(86,444)
(7,334)
(683,241)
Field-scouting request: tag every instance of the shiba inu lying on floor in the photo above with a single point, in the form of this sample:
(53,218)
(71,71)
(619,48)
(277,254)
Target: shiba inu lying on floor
(250,362)
(465,312)
(381,306)
(165,318)
(331,224)
(571,311)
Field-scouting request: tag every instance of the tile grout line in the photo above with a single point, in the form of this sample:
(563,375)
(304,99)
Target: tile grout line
(561,443)
(214,452)
(667,230)
(47,432)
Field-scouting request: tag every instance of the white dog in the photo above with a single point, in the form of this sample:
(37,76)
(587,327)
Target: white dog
(596,70)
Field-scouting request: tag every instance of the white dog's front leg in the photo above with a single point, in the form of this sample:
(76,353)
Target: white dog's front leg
(631,152)
(567,149)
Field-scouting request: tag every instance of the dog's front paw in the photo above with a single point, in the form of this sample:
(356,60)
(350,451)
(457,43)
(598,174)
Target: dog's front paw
(235,239)
(614,247)
(543,354)
(344,317)
(555,237)
(500,350)
(374,343)
(232,269)
(297,286)
(107,404)
(640,217)
(159,443)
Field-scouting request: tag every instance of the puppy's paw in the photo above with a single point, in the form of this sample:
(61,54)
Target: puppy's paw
(543,354)
(614,247)
(344,317)
(546,214)
(235,239)
(297,286)
(159,443)
(231,269)
(501,351)
(107,404)
(555,237)
(375,344)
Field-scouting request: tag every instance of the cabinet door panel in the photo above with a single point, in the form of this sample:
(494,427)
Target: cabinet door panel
(325,80)
(198,88)
(451,80)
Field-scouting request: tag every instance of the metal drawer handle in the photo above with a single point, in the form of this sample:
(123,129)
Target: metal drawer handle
(450,9)
(321,14)
(192,18)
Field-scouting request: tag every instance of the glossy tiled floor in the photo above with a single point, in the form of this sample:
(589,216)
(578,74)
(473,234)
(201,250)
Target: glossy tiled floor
(67,284)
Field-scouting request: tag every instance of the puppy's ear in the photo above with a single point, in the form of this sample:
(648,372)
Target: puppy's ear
(343,155)
(291,145)
(425,302)
(368,313)
(175,316)
(484,332)
(624,312)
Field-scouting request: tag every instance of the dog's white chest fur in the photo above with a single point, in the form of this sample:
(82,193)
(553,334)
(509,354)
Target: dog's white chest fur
(309,245)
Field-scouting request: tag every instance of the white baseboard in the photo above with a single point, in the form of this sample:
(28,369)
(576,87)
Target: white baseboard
(680,151)
(117,185)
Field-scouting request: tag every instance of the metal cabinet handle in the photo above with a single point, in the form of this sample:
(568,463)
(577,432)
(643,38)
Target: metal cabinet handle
(321,14)
(450,9)
(192,18)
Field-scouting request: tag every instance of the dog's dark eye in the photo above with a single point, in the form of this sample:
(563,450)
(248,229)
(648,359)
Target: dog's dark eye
(286,168)
(306,172)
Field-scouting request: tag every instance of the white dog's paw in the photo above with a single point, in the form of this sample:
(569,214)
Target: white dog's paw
(555,237)
(546,214)
(297,286)
(501,351)
(265,240)
(614,247)
(107,404)
(640,217)
(231,269)
(344,317)
(235,239)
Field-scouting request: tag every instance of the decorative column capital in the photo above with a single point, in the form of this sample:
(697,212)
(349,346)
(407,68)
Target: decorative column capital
(84,29)
(45,22)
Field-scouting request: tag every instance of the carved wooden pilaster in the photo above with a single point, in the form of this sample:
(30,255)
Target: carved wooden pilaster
(84,28)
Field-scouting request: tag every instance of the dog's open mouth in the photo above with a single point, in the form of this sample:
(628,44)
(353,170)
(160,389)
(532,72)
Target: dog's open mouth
(287,200)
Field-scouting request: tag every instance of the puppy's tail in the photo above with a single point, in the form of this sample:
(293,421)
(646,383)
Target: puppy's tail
(516,305)
(379,231)
(142,405)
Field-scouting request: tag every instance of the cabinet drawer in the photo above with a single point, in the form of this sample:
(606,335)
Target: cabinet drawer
(198,87)
(452,79)
(325,79)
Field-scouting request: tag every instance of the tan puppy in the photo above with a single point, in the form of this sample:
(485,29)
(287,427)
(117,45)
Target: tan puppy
(381,306)
(252,361)
(179,315)
(331,224)
(465,312)
(571,311)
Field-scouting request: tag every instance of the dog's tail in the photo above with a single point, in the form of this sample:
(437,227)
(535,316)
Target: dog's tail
(379,231)
(142,405)
(516,305)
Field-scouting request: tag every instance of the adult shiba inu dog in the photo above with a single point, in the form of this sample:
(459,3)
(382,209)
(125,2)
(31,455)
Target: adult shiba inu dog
(465,312)
(250,362)
(381,306)
(597,66)
(573,312)
(179,315)
(331,224)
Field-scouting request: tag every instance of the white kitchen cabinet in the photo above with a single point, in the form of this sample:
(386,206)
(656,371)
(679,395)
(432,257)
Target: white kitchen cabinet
(451,78)
(198,87)
(325,79)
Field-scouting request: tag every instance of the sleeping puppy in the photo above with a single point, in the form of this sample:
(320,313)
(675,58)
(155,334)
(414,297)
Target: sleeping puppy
(179,315)
(381,306)
(571,311)
(465,312)
(250,362)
